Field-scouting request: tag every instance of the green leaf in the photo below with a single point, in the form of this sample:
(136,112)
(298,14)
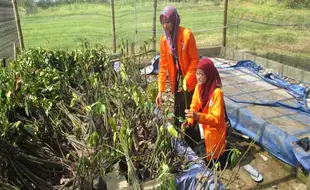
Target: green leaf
(162,129)
(26,108)
(234,158)
(170,115)
(30,130)
(50,105)
(17,124)
(88,108)
(8,94)
(164,171)
(102,108)
(68,155)
(114,137)
(74,95)
(49,88)
(136,97)
(129,131)
(94,104)
(72,102)
(172,131)
(217,165)
(123,72)
(99,107)
(92,139)
(167,111)
(112,123)
(181,119)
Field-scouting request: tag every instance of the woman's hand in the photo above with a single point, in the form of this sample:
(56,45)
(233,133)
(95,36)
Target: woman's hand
(192,114)
(159,99)
(184,125)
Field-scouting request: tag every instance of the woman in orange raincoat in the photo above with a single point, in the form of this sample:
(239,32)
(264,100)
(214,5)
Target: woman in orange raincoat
(178,57)
(207,108)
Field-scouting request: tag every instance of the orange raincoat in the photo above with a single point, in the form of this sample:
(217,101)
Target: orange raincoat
(213,119)
(188,59)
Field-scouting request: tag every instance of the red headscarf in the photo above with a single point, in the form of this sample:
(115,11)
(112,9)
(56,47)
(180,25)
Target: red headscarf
(213,80)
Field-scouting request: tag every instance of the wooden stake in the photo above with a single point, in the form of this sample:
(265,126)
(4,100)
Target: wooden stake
(132,48)
(225,23)
(19,28)
(154,25)
(113,26)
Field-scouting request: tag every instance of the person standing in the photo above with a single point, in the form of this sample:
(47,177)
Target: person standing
(178,57)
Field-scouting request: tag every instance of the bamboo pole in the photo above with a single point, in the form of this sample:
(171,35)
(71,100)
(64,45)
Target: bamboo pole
(19,28)
(237,35)
(113,26)
(154,25)
(136,23)
(132,48)
(225,23)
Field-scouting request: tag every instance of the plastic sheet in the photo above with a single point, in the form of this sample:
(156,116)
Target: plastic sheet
(281,141)
(197,176)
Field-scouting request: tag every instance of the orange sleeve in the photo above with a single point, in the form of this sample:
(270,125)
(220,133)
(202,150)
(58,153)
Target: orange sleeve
(216,110)
(194,59)
(163,65)
(195,104)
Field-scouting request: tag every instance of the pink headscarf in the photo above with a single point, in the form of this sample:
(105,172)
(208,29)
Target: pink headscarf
(213,80)
(171,13)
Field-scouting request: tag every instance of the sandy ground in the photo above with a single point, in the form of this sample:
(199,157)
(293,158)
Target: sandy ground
(276,174)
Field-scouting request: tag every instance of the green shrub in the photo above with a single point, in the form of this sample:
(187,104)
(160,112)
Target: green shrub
(299,4)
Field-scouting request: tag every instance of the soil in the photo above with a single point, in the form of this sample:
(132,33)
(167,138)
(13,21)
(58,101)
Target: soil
(276,174)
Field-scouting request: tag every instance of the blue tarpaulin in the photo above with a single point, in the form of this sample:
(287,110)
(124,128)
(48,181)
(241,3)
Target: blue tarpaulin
(279,134)
(197,176)
(297,91)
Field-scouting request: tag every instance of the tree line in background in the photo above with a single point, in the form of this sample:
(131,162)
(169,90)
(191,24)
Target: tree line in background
(296,4)
(30,5)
